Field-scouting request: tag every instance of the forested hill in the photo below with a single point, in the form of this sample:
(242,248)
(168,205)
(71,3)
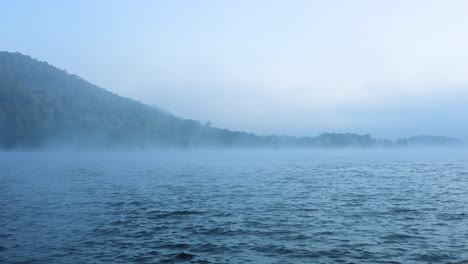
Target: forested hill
(41,105)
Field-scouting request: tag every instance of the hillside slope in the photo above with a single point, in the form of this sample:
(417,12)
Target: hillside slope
(41,105)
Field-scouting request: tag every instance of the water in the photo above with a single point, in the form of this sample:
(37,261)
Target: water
(234,207)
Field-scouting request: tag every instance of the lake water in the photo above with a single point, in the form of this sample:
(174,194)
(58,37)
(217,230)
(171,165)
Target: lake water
(234,207)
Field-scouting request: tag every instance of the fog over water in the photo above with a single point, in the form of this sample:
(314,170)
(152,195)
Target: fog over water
(247,131)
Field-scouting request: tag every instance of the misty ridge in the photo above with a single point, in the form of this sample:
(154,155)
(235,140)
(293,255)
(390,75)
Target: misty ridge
(42,106)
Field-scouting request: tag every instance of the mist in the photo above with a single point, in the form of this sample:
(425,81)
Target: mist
(246,131)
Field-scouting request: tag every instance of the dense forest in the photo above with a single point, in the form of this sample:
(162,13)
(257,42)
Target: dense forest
(41,105)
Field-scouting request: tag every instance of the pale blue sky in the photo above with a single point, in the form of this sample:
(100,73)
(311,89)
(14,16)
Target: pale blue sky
(389,68)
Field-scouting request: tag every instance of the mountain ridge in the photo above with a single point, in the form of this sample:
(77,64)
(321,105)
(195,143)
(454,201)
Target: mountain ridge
(41,105)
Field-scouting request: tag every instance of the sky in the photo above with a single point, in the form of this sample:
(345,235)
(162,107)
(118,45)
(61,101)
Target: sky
(391,68)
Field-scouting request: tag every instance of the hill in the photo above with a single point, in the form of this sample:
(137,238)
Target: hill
(42,105)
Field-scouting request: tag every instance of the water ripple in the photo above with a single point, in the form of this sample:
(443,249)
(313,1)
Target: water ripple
(158,210)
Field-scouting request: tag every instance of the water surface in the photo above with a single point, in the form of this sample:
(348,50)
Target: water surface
(234,207)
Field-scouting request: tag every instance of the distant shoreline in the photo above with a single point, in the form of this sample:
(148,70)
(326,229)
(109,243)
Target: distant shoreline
(43,106)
